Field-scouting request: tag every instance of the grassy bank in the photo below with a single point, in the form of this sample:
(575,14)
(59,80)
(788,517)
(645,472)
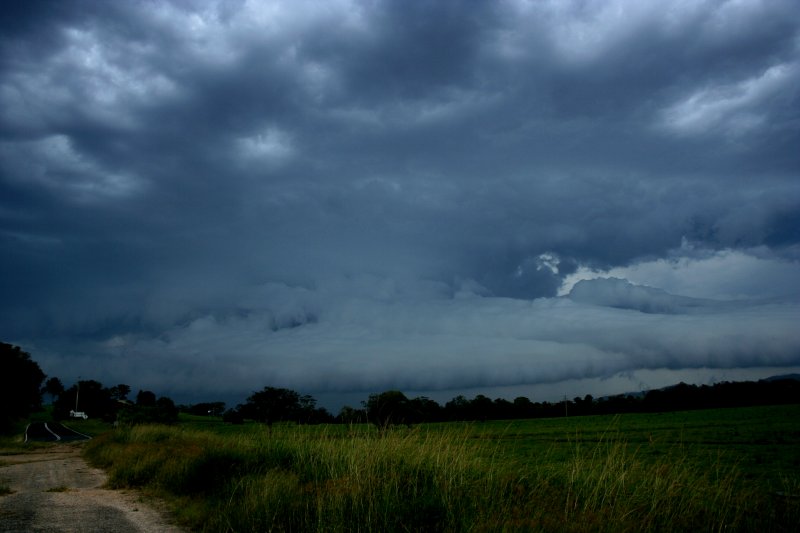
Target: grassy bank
(438,478)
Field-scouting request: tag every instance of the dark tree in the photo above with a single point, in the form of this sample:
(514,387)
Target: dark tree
(54,388)
(502,409)
(20,385)
(586,405)
(523,407)
(481,408)
(309,413)
(146,398)
(423,409)
(161,411)
(307,406)
(389,407)
(457,408)
(120,392)
(166,412)
(232,416)
(350,415)
(271,405)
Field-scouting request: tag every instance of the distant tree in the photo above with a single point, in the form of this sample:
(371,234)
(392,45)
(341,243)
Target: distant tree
(88,396)
(581,406)
(271,405)
(457,408)
(389,407)
(523,407)
(166,412)
(161,411)
(20,385)
(54,388)
(481,408)
(588,404)
(423,409)
(309,413)
(351,415)
(502,409)
(146,398)
(120,392)
(232,416)
(306,408)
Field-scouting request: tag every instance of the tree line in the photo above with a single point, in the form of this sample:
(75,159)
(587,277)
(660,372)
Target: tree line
(394,407)
(110,403)
(22,386)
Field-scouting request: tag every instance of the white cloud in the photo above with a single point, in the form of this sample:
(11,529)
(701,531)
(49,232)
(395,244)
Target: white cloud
(270,145)
(583,32)
(618,293)
(717,274)
(732,109)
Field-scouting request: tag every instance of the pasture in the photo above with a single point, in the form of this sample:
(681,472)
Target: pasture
(727,469)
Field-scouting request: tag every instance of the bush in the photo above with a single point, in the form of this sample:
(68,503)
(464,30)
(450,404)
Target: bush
(162,412)
(232,416)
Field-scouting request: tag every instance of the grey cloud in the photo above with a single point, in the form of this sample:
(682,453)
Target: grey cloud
(619,293)
(390,338)
(164,162)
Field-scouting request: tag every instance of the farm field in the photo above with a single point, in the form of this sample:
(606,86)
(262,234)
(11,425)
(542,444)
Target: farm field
(726,469)
(762,443)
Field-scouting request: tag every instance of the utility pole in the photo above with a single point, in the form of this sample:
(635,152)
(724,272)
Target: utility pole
(566,412)
(78,393)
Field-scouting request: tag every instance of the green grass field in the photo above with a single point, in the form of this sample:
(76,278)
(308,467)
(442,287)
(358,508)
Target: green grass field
(728,469)
(762,442)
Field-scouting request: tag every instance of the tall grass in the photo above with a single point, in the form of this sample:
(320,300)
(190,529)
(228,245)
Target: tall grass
(313,479)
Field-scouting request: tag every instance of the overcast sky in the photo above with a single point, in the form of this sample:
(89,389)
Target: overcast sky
(206,197)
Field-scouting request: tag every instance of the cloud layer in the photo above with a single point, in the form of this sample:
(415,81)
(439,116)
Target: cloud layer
(355,195)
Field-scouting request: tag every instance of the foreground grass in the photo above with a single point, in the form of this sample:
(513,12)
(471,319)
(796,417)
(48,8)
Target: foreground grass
(433,478)
(13,442)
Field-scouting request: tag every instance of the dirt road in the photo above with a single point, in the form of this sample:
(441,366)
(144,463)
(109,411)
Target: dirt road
(55,490)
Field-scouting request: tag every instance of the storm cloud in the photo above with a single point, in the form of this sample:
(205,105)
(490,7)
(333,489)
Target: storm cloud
(352,196)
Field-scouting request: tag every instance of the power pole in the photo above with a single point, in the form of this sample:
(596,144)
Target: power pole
(77,393)
(566,411)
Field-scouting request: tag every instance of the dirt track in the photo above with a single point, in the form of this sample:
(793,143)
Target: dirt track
(55,490)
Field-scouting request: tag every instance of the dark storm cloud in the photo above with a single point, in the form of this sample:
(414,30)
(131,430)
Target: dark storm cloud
(173,175)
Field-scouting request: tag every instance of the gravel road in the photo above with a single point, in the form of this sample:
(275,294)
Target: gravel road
(55,490)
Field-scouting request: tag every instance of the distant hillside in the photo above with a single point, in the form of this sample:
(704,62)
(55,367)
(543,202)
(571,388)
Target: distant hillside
(643,393)
(771,391)
(795,377)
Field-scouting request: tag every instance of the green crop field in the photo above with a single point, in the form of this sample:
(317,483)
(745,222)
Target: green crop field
(727,469)
(762,442)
